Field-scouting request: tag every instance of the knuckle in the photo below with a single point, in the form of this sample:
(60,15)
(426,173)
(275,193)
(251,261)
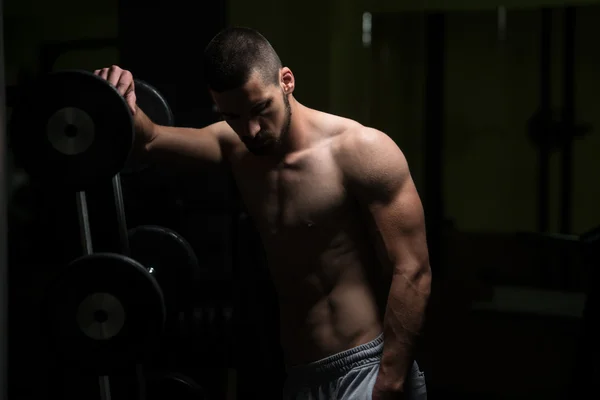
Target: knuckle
(127,75)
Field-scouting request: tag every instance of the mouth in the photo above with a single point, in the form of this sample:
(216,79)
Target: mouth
(261,145)
(262,148)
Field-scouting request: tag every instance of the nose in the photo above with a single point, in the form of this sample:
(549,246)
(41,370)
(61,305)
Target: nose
(253,128)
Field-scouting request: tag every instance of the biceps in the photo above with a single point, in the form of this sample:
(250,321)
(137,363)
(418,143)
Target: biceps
(400,226)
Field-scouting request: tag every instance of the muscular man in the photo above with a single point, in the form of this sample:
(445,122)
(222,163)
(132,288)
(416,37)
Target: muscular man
(338,214)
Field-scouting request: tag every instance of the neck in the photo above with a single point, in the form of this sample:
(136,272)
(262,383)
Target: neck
(298,136)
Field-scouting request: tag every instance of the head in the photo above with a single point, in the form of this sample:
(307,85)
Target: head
(250,87)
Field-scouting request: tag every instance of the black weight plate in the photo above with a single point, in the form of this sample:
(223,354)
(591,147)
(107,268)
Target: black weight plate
(175,386)
(156,107)
(171,258)
(71,128)
(104,311)
(153,103)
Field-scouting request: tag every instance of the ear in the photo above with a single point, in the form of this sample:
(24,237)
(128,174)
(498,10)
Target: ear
(287,80)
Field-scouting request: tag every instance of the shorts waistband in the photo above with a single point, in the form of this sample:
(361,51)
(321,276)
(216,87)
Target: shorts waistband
(340,363)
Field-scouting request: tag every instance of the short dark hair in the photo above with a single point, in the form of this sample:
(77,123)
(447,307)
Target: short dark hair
(234,54)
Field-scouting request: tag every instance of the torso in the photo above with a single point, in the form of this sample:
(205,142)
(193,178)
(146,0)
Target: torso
(318,250)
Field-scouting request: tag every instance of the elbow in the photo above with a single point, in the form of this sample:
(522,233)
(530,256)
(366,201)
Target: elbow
(418,276)
(423,279)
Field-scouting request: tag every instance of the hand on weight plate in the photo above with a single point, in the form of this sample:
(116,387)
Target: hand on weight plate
(125,84)
(123,81)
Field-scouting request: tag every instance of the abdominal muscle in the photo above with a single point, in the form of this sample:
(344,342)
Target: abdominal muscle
(327,299)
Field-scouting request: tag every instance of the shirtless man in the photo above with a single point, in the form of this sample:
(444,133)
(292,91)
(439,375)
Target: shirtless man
(338,213)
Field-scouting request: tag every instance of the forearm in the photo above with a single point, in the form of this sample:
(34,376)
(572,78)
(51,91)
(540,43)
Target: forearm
(180,147)
(157,142)
(403,319)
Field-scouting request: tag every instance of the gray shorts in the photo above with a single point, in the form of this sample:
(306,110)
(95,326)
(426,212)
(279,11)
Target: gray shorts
(349,375)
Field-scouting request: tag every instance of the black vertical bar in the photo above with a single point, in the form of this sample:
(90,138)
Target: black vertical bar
(170,57)
(434,133)
(568,121)
(567,135)
(3,215)
(546,115)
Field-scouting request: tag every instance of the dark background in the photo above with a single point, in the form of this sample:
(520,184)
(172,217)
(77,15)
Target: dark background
(483,98)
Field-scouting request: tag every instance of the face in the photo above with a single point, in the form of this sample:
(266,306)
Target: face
(258,112)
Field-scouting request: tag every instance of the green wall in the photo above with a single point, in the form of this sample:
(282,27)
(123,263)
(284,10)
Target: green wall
(28,23)
(490,165)
(491,88)
(300,33)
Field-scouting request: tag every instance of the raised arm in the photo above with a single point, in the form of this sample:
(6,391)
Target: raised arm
(190,146)
(181,146)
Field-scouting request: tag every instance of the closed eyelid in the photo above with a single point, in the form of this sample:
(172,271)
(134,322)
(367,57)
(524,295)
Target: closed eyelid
(261,106)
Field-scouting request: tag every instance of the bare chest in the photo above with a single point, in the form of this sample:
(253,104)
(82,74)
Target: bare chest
(301,197)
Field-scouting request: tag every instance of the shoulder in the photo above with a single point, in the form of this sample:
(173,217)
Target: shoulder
(364,153)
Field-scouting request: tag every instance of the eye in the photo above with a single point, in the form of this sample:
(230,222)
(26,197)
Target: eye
(264,109)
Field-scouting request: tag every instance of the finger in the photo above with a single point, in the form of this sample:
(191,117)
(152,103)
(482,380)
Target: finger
(103,73)
(129,95)
(131,102)
(125,84)
(114,74)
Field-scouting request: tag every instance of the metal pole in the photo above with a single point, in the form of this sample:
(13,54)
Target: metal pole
(121,218)
(568,121)
(546,115)
(85,233)
(3,229)
(434,134)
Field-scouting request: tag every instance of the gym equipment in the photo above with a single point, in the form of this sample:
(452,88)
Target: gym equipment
(153,103)
(155,106)
(553,131)
(3,229)
(71,129)
(170,259)
(103,311)
(175,386)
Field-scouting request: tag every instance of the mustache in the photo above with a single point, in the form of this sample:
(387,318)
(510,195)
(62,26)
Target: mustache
(261,138)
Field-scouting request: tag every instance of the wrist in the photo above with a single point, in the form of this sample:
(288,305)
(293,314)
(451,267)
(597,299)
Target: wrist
(389,379)
(145,129)
(387,391)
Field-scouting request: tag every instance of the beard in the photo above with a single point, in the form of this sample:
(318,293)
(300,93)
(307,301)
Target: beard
(267,142)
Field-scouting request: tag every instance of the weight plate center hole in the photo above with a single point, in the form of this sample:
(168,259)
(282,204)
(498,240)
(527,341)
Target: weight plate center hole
(71,131)
(100,316)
